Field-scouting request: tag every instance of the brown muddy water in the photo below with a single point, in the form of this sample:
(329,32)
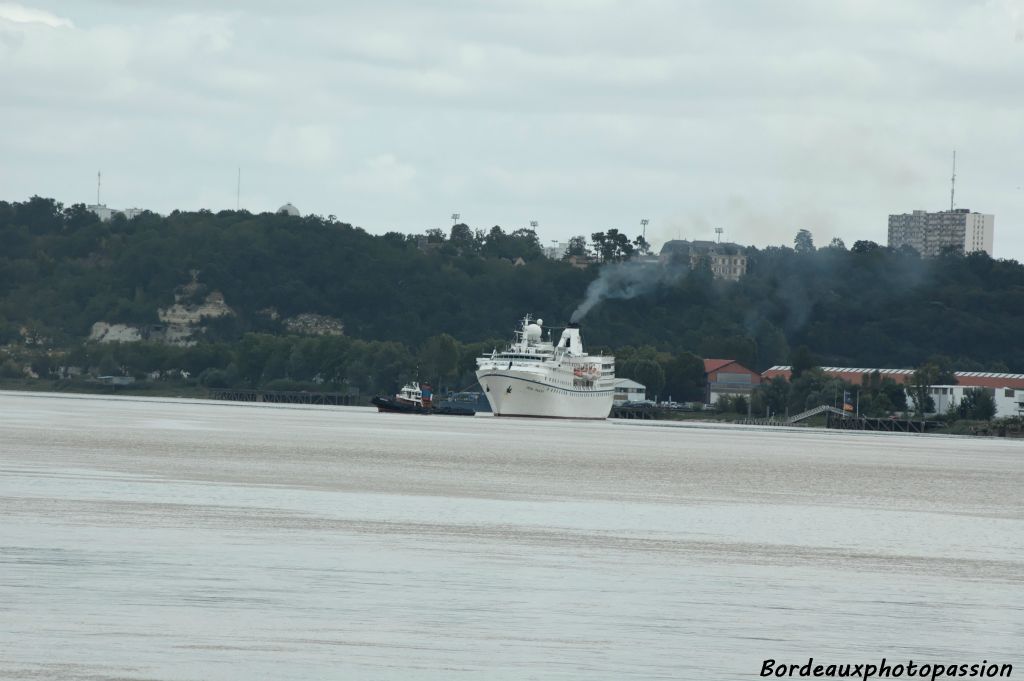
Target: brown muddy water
(174,539)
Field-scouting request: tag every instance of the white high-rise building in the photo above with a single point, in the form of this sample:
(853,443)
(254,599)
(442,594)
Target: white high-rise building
(931,233)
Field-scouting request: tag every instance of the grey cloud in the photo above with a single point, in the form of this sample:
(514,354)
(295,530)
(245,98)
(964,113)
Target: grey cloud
(758,118)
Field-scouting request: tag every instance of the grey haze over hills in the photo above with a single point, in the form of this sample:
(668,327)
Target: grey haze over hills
(761,118)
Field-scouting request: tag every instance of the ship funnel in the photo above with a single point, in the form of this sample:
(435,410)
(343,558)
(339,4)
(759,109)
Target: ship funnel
(571,340)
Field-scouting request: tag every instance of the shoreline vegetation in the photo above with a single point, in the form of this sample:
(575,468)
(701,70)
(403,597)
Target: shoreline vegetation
(192,301)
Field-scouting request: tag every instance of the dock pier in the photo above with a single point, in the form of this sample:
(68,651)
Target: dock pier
(283,396)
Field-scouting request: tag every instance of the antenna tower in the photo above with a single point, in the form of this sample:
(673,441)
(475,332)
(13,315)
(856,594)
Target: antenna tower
(643,224)
(718,231)
(952,183)
(98,176)
(238,190)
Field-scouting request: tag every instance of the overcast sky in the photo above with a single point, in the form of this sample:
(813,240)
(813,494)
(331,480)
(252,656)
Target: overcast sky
(758,117)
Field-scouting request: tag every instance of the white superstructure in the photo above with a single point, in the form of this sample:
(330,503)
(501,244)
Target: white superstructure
(535,377)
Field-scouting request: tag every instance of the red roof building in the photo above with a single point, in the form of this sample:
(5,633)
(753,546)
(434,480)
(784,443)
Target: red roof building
(728,377)
(969,379)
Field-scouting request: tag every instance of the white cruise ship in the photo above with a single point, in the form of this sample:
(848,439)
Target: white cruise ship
(535,377)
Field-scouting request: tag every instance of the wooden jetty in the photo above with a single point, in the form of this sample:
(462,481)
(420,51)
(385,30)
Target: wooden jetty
(283,396)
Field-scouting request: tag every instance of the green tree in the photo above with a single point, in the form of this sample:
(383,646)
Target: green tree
(461,233)
(641,245)
(774,394)
(10,369)
(803,242)
(496,243)
(213,378)
(944,372)
(645,371)
(108,366)
(612,246)
(800,361)
(42,364)
(439,358)
(462,240)
(299,367)
(577,246)
(684,378)
(772,347)
(865,247)
(978,404)
(814,388)
(525,244)
(923,378)
(603,245)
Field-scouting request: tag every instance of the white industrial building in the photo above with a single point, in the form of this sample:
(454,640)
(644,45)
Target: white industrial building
(627,390)
(1009,401)
(931,233)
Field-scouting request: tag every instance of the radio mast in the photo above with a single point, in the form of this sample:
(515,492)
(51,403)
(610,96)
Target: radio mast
(952,183)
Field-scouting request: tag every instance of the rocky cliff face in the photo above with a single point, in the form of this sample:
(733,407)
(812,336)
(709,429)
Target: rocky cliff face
(179,323)
(314,325)
(103,332)
(185,314)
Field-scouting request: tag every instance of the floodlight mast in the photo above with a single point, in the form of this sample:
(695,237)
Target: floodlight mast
(718,231)
(455,218)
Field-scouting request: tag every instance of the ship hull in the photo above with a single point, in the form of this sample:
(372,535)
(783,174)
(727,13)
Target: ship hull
(392,406)
(513,393)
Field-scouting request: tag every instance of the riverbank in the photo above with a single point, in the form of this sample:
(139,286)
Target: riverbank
(189,389)
(168,388)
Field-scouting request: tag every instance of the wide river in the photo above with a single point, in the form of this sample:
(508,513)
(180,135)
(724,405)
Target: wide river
(175,539)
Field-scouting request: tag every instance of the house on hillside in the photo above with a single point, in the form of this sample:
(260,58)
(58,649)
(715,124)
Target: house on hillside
(728,377)
(580,262)
(724,261)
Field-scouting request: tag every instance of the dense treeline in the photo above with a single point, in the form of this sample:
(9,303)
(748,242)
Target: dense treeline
(61,270)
